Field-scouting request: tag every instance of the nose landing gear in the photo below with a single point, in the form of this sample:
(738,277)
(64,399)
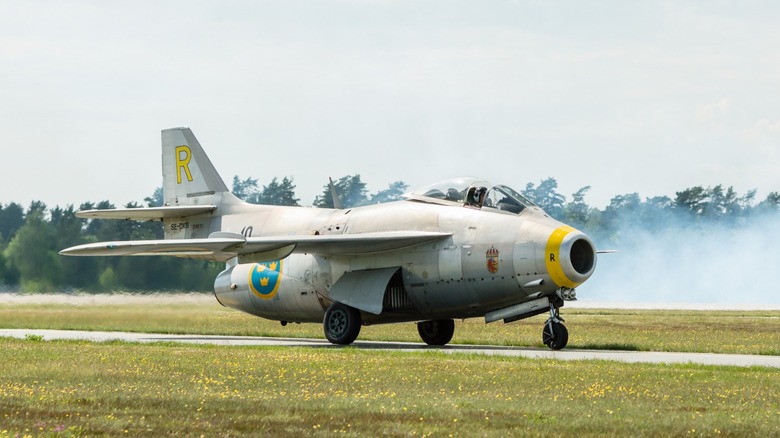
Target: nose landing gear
(555,334)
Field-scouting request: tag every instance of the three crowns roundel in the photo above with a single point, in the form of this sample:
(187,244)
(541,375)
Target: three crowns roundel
(265,278)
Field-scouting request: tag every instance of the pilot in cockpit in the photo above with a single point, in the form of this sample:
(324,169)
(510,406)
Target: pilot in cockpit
(476,196)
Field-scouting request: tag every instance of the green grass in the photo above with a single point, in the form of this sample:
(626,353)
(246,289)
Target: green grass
(93,389)
(59,388)
(753,332)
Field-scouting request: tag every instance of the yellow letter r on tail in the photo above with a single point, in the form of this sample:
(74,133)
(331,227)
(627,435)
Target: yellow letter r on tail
(183,162)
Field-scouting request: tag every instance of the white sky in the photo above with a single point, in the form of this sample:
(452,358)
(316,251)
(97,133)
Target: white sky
(648,97)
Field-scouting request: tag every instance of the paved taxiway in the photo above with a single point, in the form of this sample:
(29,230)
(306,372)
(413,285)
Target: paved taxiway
(566,354)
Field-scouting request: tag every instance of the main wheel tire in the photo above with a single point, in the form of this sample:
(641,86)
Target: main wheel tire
(436,332)
(341,324)
(558,338)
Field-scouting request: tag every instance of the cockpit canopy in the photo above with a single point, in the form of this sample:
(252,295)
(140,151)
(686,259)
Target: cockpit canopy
(473,192)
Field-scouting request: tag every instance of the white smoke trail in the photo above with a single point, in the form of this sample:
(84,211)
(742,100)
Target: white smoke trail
(695,264)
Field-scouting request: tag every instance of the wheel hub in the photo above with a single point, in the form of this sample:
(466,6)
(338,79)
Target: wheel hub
(337,322)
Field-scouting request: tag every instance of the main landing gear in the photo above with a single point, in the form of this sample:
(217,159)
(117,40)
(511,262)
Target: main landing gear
(436,332)
(341,323)
(555,334)
(342,326)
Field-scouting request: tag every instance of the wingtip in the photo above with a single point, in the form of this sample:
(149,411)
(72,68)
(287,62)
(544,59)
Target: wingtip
(66,252)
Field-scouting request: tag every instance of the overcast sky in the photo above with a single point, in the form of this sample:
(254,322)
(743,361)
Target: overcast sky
(647,97)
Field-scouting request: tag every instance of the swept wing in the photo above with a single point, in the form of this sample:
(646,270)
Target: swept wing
(223,246)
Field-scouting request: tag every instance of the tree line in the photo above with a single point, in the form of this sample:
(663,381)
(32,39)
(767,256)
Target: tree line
(31,238)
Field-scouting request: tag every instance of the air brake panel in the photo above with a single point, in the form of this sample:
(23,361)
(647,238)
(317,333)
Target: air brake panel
(364,290)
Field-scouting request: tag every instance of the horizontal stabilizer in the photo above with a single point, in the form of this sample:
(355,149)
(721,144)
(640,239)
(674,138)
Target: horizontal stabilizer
(224,246)
(146,214)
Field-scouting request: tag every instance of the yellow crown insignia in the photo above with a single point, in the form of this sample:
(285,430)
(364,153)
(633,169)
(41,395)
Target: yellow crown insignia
(273,266)
(260,268)
(264,281)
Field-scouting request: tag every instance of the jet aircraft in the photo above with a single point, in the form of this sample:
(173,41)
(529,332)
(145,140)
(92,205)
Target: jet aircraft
(460,248)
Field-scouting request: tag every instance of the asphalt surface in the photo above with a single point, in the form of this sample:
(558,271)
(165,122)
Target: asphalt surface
(742,360)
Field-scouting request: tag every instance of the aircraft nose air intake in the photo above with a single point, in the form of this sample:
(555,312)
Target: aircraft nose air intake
(570,257)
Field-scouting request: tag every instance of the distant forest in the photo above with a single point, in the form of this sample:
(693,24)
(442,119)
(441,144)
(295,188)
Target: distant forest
(31,238)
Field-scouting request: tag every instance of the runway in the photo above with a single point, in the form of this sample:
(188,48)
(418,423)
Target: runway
(742,360)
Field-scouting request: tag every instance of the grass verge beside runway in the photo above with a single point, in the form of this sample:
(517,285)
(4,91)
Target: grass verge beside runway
(742,332)
(92,389)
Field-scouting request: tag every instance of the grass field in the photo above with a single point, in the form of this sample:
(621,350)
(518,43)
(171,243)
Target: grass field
(746,332)
(86,389)
(59,388)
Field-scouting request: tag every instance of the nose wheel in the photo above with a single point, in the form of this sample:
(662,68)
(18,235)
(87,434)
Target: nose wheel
(554,334)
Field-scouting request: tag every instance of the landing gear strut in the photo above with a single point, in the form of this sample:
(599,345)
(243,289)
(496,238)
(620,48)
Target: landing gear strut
(555,334)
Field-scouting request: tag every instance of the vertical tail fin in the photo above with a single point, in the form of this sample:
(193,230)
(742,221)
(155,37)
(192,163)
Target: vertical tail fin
(187,170)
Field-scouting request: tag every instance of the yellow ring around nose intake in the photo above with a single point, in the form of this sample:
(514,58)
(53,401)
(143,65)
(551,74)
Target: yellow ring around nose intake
(552,259)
